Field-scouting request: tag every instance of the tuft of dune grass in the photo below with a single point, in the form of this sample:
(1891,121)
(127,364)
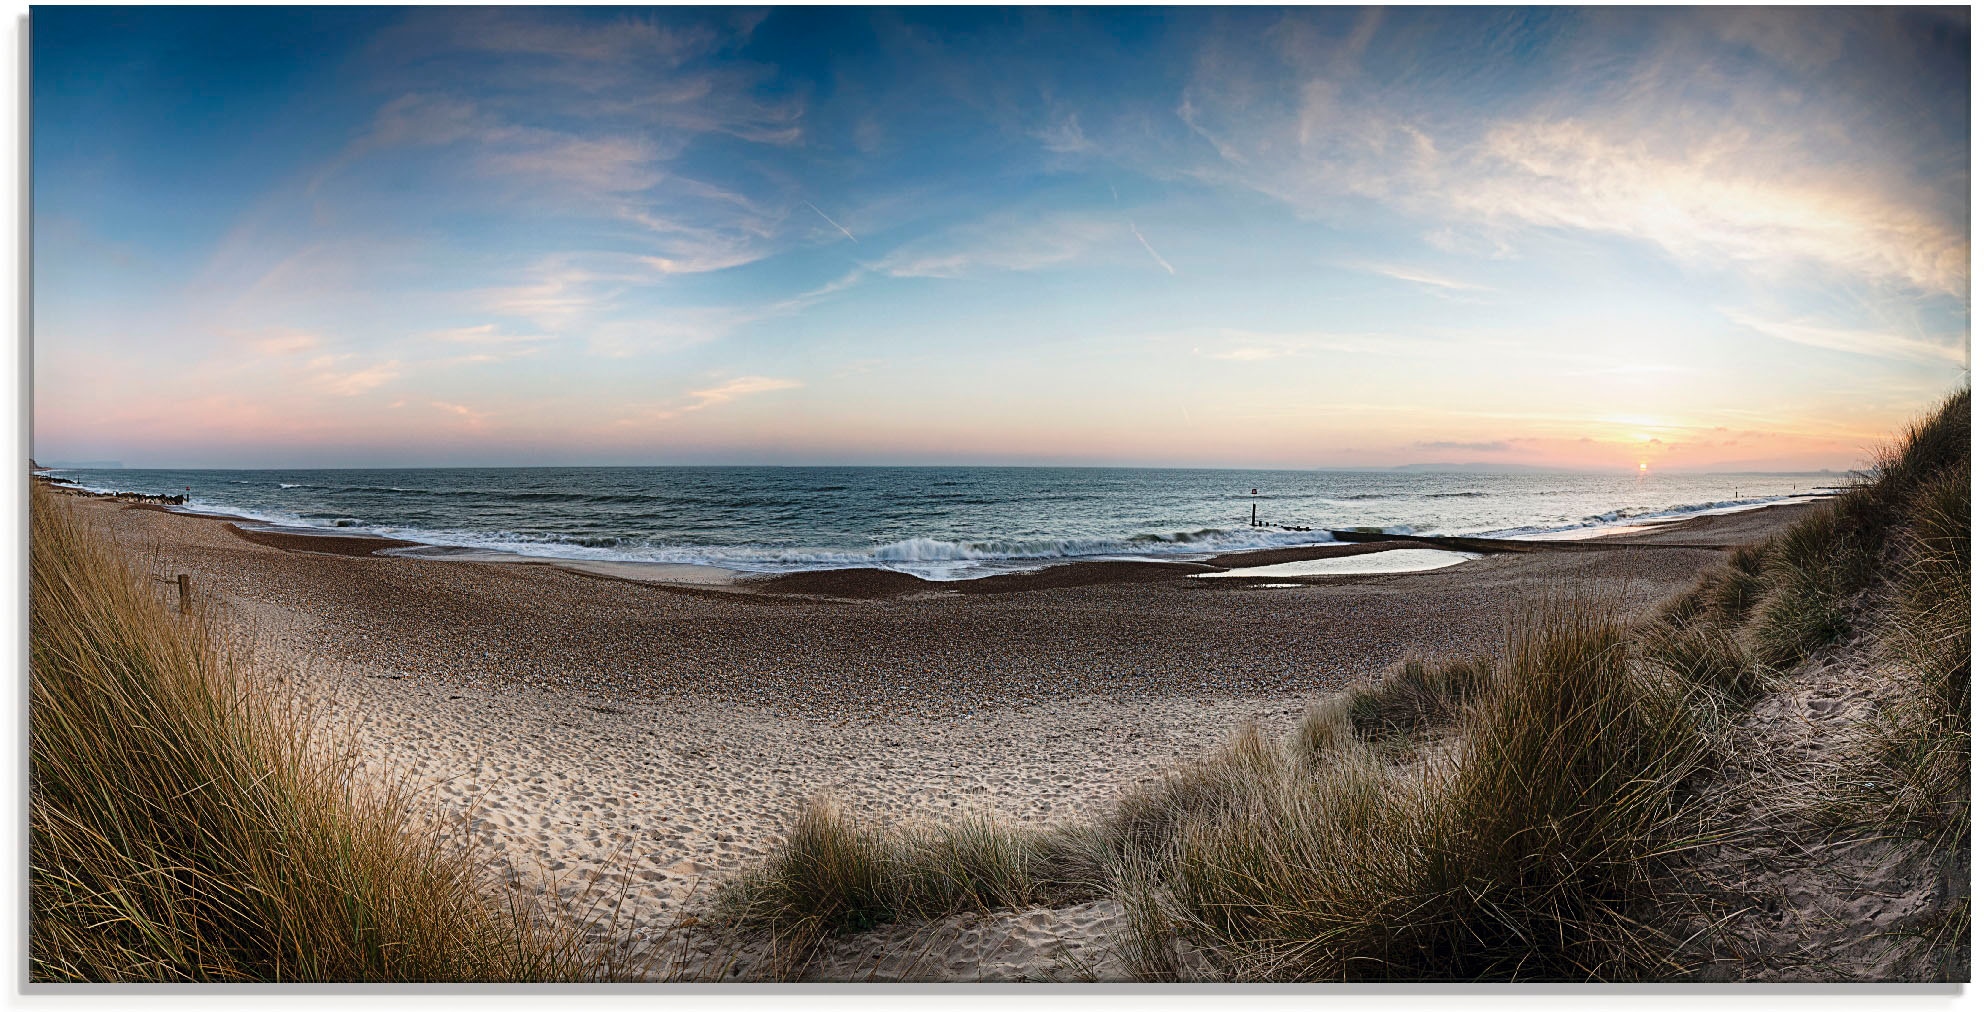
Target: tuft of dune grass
(1725,595)
(831,875)
(182,827)
(1413,696)
(1710,655)
(1812,569)
(1920,750)
(1819,568)
(1527,854)
(1890,558)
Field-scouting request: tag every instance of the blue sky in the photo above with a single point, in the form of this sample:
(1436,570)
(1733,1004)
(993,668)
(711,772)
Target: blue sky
(1597,238)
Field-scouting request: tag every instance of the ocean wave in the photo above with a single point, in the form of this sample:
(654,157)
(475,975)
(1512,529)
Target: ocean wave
(1208,540)
(349,489)
(1366,496)
(271,519)
(1628,516)
(928,558)
(78,483)
(542,498)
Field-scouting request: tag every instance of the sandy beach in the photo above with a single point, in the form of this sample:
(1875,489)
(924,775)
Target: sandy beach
(651,735)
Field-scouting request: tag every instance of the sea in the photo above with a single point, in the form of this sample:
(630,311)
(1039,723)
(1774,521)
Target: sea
(938,523)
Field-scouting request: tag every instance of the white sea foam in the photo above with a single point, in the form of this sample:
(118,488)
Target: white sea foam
(86,485)
(1597,524)
(928,558)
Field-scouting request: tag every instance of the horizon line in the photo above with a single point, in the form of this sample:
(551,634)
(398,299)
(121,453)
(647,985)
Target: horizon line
(1420,467)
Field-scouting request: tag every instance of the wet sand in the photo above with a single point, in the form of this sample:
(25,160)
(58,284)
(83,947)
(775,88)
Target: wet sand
(653,736)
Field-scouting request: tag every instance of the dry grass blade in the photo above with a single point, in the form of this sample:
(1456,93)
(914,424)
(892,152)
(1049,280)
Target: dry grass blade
(830,875)
(182,828)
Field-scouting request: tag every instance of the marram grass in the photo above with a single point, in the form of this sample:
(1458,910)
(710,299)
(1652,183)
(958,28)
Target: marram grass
(183,827)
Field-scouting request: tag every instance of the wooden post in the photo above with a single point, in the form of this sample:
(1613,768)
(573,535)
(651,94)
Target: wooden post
(185,593)
(1254,518)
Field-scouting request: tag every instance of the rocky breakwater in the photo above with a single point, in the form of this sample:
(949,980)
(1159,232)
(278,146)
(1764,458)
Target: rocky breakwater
(67,487)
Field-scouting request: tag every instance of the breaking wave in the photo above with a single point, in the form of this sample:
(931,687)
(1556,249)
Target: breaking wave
(929,558)
(1627,517)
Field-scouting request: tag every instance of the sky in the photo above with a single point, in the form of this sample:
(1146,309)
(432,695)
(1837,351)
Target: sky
(1711,239)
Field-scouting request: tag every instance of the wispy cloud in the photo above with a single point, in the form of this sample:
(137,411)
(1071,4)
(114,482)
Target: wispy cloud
(609,305)
(352,384)
(285,343)
(740,238)
(1708,199)
(508,354)
(467,414)
(1002,243)
(416,119)
(743,386)
(586,117)
(486,333)
(639,67)
(563,290)
(1745,175)
(1491,446)
(830,221)
(703,261)
(722,393)
(1250,346)
(1872,343)
(1161,262)
(1422,277)
(619,41)
(1064,136)
(589,165)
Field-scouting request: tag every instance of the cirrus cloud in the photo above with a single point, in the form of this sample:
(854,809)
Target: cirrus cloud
(722,393)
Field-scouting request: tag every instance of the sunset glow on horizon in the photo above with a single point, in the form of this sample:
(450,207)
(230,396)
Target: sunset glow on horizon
(1617,239)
